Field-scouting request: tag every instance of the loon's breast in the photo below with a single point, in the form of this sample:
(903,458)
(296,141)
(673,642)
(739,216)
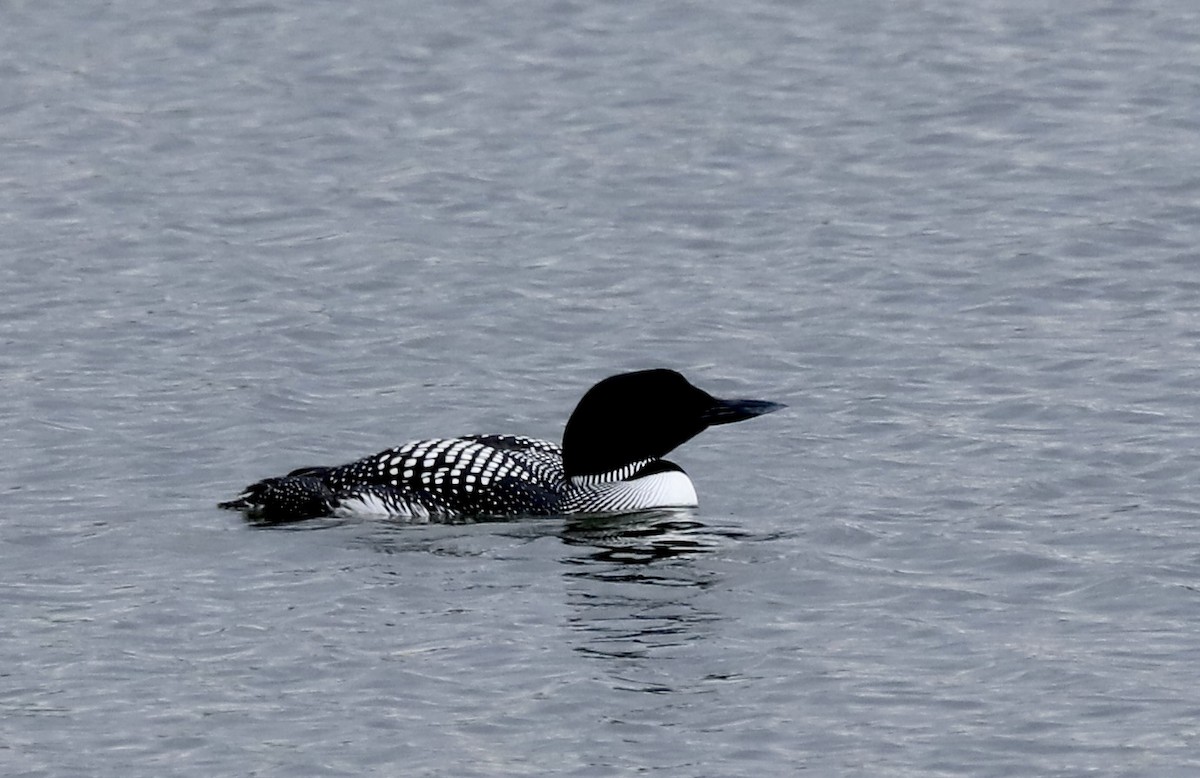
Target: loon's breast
(654,483)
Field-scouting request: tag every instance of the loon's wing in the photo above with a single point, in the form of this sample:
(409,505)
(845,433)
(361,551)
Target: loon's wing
(541,457)
(497,475)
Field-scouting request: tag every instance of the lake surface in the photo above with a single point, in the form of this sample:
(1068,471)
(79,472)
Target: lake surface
(958,239)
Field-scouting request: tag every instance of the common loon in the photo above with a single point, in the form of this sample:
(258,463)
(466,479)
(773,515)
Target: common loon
(610,461)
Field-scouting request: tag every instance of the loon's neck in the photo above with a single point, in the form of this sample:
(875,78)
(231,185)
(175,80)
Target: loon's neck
(656,483)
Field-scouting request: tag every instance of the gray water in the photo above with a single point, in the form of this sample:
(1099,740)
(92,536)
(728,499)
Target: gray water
(959,239)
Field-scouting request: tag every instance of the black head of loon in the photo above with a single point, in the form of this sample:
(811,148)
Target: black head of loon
(643,415)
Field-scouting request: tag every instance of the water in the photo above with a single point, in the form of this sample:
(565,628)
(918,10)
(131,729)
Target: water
(958,240)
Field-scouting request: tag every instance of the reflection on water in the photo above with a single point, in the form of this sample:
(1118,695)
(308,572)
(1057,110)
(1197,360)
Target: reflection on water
(638,538)
(624,539)
(294,525)
(636,585)
(636,594)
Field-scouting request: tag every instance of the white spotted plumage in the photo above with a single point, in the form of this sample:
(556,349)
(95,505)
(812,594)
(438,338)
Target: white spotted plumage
(447,477)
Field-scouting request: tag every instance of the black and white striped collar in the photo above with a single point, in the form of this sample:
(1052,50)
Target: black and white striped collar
(629,472)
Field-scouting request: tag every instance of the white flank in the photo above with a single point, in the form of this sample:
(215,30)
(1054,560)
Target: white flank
(372,506)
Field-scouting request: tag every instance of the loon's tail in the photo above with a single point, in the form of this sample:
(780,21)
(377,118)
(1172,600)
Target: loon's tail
(301,494)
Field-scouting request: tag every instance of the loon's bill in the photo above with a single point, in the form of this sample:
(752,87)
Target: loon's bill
(610,461)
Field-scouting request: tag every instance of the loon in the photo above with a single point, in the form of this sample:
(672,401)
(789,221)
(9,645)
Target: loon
(610,461)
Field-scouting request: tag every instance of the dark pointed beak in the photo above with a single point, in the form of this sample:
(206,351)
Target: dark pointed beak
(729,411)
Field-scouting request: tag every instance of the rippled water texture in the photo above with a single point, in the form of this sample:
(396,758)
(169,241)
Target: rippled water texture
(957,239)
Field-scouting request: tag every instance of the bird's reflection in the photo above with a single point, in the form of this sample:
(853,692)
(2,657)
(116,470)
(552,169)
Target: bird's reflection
(637,538)
(639,587)
(637,590)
